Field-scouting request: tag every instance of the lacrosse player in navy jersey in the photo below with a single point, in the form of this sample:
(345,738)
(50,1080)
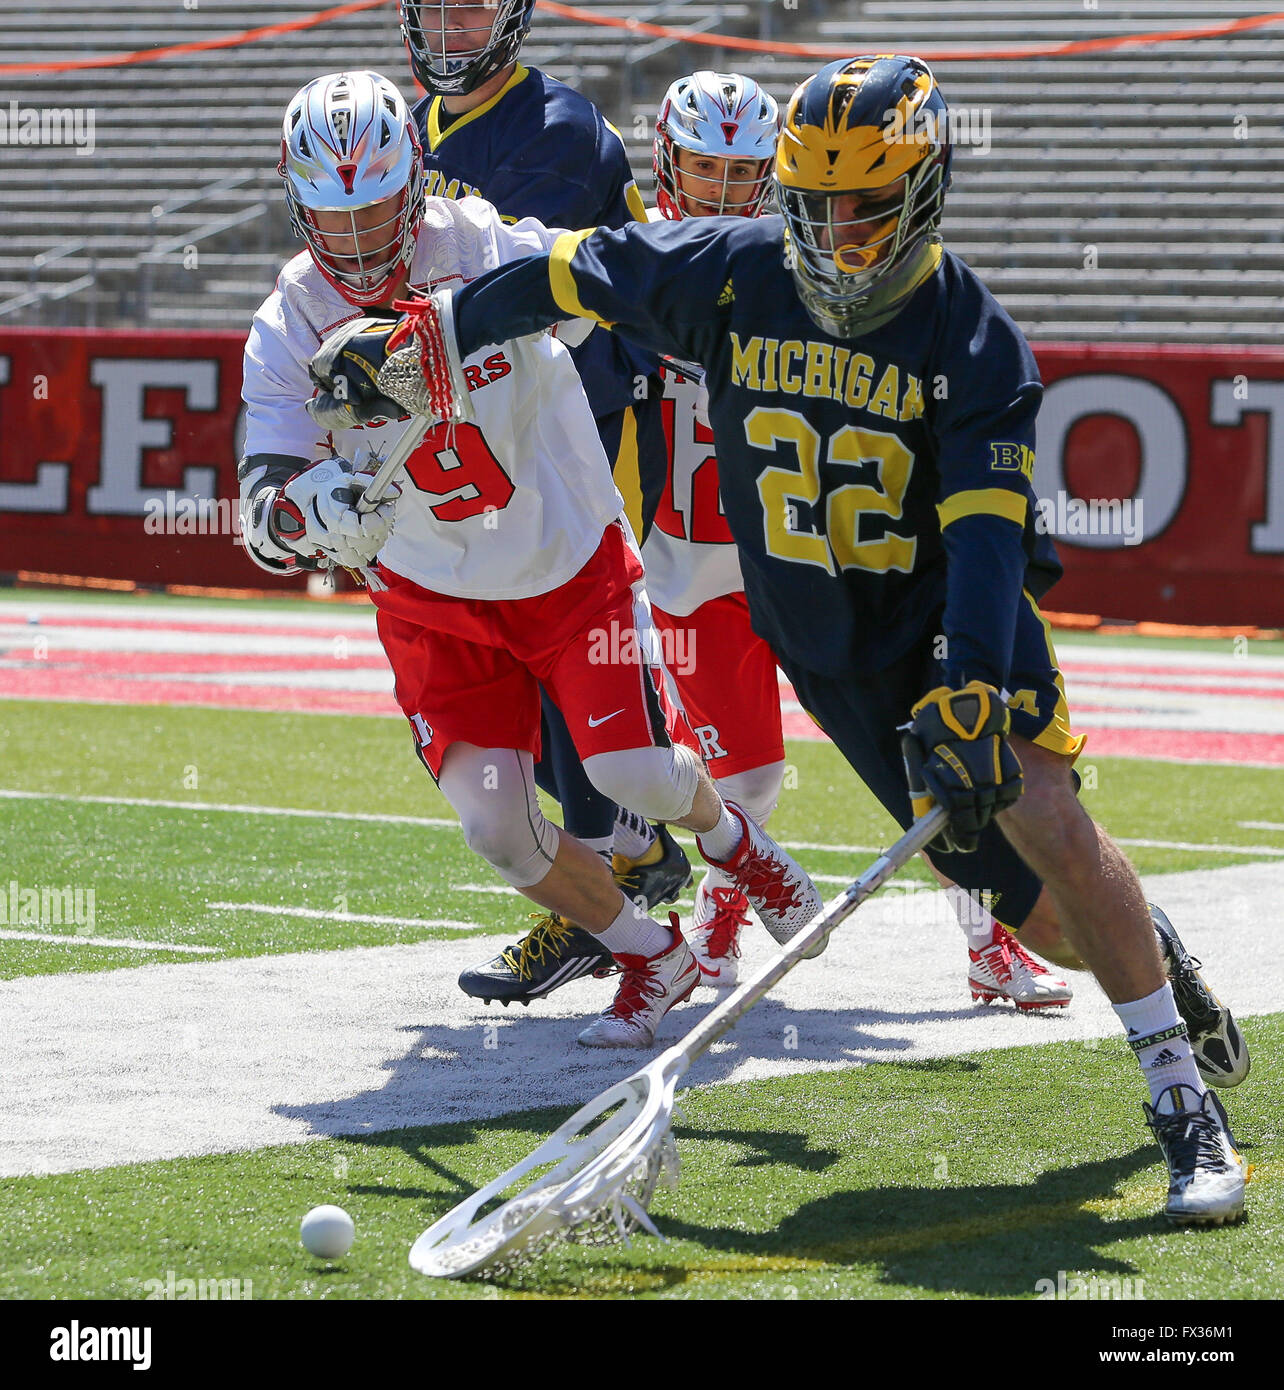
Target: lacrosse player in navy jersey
(875,412)
(715,142)
(534,147)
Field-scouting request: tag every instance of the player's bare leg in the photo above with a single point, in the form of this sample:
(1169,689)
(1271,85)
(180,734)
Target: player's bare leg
(673,785)
(1094,889)
(493,790)
(1103,913)
(579,886)
(1094,913)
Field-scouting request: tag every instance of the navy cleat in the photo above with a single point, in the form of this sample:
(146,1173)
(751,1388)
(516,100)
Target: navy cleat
(1219,1047)
(551,954)
(659,876)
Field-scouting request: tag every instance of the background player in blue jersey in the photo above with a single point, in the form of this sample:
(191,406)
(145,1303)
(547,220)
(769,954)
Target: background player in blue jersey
(875,412)
(534,147)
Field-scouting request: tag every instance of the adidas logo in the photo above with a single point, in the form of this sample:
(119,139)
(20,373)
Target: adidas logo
(1165,1059)
(727,295)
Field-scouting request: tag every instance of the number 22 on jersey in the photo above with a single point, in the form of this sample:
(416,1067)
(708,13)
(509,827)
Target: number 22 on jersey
(836,546)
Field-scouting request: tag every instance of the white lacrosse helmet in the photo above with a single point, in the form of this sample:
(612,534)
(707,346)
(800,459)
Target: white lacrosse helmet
(723,115)
(349,143)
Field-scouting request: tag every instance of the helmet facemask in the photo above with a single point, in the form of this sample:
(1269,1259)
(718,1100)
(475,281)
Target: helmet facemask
(364,259)
(454,46)
(862,167)
(855,255)
(742,196)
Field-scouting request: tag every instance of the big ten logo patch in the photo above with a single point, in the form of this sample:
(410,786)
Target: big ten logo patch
(1007,457)
(709,738)
(422,728)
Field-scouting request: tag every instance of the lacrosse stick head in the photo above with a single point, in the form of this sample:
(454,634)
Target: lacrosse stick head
(607,1161)
(423,371)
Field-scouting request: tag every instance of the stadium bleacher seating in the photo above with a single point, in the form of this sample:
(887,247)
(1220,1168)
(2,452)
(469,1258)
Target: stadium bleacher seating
(1125,195)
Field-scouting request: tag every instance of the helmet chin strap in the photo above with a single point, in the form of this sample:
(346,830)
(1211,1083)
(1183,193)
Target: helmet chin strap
(884,301)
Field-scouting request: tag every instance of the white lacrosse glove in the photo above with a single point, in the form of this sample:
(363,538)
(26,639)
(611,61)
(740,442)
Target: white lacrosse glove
(261,543)
(316,515)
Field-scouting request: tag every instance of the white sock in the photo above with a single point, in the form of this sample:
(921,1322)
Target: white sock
(724,839)
(1164,1053)
(634,834)
(633,933)
(978,925)
(601,847)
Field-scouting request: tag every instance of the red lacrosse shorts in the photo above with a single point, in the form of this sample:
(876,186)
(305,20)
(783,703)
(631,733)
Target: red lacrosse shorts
(726,678)
(469,670)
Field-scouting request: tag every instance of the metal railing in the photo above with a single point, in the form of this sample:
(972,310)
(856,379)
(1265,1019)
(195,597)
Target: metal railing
(148,260)
(142,266)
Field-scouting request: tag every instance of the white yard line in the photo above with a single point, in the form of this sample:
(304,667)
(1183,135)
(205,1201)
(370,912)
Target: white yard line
(20,610)
(161,1061)
(429,822)
(1255,851)
(316,914)
(1260,824)
(1150,659)
(440,823)
(124,943)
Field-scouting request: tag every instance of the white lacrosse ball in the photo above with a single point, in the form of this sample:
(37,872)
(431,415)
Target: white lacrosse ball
(327,1232)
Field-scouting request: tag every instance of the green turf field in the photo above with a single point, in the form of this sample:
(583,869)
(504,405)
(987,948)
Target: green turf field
(156,868)
(969,1177)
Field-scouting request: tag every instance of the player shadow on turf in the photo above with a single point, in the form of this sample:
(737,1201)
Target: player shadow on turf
(504,1063)
(991,1241)
(427,1144)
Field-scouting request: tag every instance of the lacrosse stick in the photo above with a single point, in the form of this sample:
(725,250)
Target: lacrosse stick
(610,1155)
(389,470)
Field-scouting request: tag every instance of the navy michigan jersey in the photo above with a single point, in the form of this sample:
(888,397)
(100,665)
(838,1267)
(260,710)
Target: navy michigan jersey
(538,148)
(868,482)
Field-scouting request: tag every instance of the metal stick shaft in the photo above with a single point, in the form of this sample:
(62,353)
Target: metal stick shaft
(728,1013)
(397,458)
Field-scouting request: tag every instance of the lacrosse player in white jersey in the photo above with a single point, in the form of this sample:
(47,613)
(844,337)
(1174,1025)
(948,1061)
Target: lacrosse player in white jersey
(502,563)
(715,142)
(715,139)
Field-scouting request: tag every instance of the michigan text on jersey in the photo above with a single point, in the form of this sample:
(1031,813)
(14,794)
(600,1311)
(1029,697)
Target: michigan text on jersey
(828,372)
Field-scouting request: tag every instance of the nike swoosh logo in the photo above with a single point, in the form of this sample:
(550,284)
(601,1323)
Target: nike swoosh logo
(593,723)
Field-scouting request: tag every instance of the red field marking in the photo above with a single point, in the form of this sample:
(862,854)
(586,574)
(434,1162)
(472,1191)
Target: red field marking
(1184,746)
(348,622)
(57,684)
(131,665)
(127,676)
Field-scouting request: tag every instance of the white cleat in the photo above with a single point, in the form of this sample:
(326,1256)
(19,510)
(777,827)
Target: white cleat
(1006,970)
(720,913)
(779,890)
(649,987)
(1206,1175)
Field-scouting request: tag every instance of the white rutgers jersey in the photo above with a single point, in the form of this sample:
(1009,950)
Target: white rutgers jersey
(509,507)
(689,554)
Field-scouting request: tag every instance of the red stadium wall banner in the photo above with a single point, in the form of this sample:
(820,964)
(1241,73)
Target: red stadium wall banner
(1160,469)
(1187,443)
(118,454)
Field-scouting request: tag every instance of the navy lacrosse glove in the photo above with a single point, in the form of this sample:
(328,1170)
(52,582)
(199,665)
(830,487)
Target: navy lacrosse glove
(957,756)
